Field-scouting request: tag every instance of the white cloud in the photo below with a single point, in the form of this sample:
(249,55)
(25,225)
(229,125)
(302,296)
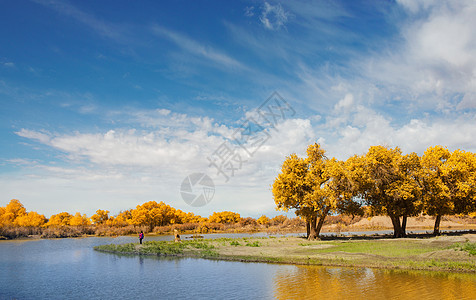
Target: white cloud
(469,100)
(345,104)
(127,147)
(121,168)
(435,65)
(249,11)
(198,49)
(34,135)
(151,161)
(8,64)
(415,6)
(274,17)
(364,127)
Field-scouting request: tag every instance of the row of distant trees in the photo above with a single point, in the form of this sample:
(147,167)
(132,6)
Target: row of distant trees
(150,215)
(384,181)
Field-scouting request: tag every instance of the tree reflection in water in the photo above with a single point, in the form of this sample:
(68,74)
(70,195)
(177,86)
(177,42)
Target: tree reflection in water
(313,282)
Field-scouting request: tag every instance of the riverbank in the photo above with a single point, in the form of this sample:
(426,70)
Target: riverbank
(456,252)
(278,225)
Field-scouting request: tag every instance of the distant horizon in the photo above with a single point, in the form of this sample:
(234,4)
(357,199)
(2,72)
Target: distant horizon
(110,104)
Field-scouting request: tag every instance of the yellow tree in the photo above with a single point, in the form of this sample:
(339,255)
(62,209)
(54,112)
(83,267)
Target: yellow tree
(13,210)
(100,217)
(449,183)
(32,219)
(224,217)
(153,214)
(156,216)
(139,216)
(124,218)
(192,218)
(389,184)
(460,173)
(263,220)
(407,190)
(436,194)
(181,217)
(300,185)
(2,217)
(290,188)
(61,219)
(342,188)
(79,220)
(166,214)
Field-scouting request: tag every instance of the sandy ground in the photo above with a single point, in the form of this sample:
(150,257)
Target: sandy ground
(300,251)
(422,222)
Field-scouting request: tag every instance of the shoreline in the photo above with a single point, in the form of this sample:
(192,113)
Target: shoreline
(325,232)
(452,253)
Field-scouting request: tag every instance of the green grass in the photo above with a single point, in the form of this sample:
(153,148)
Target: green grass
(125,248)
(208,253)
(159,248)
(468,247)
(438,264)
(253,244)
(164,248)
(235,243)
(198,244)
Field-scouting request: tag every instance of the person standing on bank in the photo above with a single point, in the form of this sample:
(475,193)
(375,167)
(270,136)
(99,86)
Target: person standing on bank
(141,236)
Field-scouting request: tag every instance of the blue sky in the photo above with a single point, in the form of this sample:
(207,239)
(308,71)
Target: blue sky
(108,104)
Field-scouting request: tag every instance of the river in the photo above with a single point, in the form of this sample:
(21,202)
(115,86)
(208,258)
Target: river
(71,269)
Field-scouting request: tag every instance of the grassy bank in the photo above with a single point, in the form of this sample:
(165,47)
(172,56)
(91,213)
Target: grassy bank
(444,253)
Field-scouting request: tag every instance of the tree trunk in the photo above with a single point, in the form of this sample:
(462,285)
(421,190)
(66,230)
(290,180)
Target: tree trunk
(321,221)
(397,229)
(312,228)
(404,225)
(319,224)
(308,229)
(436,230)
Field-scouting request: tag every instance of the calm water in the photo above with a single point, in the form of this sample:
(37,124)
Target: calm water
(71,269)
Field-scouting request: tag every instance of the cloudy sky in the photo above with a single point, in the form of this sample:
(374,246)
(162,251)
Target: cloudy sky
(108,104)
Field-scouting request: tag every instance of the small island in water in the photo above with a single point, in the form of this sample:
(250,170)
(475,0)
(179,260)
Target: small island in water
(453,252)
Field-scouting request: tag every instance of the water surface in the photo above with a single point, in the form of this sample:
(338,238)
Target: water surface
(71,269)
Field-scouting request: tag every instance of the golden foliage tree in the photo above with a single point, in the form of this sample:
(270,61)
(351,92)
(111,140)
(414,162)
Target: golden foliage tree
(153,214)
(181,217)
(263,220)
(31,219)
(300,186)
(460,169)
(100,217)
(343,185)
(224,217)
(61,219)
(79,220)
(449,183)
(389,184)
(10,212)
(15,214)
(124,218)
(436,194)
